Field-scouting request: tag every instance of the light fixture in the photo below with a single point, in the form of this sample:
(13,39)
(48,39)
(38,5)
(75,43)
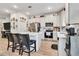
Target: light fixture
(15,6)
(29,6)
(27,13)
(7,11)
(49,8)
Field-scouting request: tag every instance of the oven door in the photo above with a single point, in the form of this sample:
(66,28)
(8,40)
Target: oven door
(49,34)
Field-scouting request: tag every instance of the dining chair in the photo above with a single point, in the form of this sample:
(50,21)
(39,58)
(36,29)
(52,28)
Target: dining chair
(27,45)
(14,39)
(10,41)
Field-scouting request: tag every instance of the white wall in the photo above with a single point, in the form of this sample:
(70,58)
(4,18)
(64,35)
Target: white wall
(63,21)
(74,18)
(20,24)
(74,13)
(3,20)
(0,26)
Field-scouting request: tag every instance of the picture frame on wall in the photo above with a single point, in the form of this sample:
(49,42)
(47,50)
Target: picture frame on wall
(13,25)
(22,19)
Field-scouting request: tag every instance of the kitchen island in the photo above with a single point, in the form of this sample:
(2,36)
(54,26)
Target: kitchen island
(61,43)
(35,36)
(74,48)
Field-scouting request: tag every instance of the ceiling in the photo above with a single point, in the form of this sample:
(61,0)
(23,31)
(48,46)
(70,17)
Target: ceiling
(37,8)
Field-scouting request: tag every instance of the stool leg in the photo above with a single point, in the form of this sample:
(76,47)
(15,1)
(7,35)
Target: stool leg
(29,50)
(13,47)
(21,51)
(29,54)
(35,46)
(8,46)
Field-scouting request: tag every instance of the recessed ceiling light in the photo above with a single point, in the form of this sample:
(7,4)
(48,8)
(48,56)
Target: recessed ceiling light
(15,6)
(7,11)
(27,13)
(49,8)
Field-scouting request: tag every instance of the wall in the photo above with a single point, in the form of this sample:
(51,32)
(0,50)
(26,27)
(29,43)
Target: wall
(0,26)
(18,23)
(63,21)
(3,19)
(74,18)
(74,13)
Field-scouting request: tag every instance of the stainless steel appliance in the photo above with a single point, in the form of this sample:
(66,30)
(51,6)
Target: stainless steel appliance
(34,27)
(49,34)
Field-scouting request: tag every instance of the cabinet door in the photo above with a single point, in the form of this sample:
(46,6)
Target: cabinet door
(56,21)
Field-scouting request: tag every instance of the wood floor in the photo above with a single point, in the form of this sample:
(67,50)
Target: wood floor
(45,49)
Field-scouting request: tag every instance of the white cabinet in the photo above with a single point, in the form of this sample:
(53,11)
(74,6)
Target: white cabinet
(61,43)
(53,18)
(56,21)
(49,18)
(61,46)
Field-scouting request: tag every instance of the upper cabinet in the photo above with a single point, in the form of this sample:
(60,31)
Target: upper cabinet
(53,19)
(56,21)
(63,18)
(49,18)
